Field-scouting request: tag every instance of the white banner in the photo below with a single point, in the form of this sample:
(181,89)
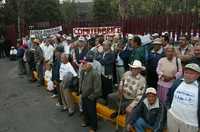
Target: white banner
(83,31)
(46,32)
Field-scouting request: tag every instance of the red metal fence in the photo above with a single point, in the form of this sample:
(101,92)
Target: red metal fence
(176,23)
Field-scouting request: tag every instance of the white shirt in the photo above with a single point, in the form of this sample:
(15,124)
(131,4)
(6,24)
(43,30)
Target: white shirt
(185,103)
(48,52)
(66,47)
(13,52)
(65,68)
(42,45)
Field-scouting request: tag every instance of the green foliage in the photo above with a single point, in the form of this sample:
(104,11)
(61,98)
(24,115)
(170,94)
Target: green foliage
(42,10)
(105,10)
(31,10)
(69,11)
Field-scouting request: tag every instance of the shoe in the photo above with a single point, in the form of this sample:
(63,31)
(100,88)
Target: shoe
(92,130)
(71,114)
(64,109)
(54,96)
(58,104)
(39,85)
(84,124)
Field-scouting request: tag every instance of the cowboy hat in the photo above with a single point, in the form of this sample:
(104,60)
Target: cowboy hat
(137,64)
(36,41)
(157,41)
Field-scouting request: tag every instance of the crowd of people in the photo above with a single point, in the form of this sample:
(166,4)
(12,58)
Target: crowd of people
(155,83)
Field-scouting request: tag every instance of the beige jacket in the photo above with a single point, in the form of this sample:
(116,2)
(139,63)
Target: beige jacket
(184,54)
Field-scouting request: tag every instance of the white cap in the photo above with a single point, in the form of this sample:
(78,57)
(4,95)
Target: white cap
(69,38)
(130,36)
(155,35)
(32,36)
(81,38)
(151,90)
(146,39)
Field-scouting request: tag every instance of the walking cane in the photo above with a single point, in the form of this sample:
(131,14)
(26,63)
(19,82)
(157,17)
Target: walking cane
(119,109)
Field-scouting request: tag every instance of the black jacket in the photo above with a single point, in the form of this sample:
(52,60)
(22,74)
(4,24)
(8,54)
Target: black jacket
(55,69)
(108,62)
(155,116)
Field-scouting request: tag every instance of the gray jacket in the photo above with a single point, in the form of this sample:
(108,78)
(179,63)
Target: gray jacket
(90,84)
(38,54)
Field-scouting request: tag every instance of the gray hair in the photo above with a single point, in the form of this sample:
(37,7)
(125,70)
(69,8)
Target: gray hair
(107,42)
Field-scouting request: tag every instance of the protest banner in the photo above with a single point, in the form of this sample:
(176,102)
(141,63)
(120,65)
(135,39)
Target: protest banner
(83,31)
(46,32)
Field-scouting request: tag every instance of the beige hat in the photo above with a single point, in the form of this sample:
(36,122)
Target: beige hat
(155,35)
(151,90)
(157,41)
(137,64)
(81,38)
(193,67)
(195,38)
(32,36)
(36,41)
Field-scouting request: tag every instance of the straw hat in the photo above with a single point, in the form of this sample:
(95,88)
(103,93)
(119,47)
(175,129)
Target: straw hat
(36,41)
(157,41)
(137,64)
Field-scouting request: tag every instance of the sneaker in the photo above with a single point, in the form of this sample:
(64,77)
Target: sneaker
(58,104)
(54,96)
(71,114)
(92,130)
(64,109)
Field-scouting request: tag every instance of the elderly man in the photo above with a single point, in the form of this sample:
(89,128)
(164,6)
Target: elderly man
(83,49)
(90,89)
(149,113)
(121,61)
(67,73)
(107,60)
(184,102)
(196,57)
(139,51)
(48,51)
(38,58)
(131,89)
(184,50)
(152,61)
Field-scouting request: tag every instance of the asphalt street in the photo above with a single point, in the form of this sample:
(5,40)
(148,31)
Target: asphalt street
(26,108)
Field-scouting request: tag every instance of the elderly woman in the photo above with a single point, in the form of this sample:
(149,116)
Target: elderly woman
(169,69)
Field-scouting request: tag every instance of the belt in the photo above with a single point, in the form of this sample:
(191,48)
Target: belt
(119,65)
(108,76)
